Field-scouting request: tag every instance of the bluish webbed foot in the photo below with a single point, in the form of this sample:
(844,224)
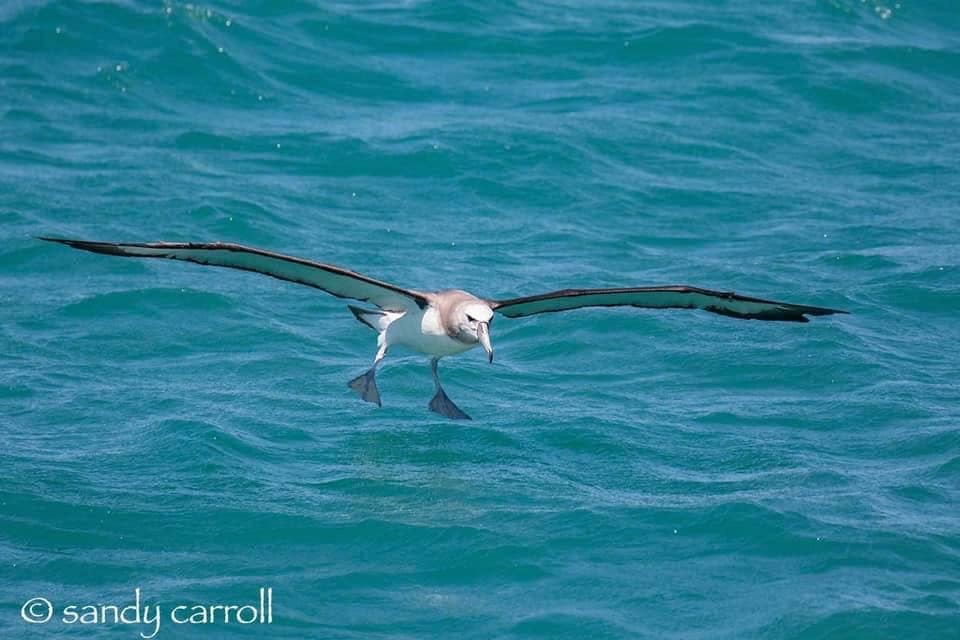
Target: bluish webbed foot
(444,406)
(366,386)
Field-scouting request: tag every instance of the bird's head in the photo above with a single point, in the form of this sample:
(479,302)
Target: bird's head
(472,324)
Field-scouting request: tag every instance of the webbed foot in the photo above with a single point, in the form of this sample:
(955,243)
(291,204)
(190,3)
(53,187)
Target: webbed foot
(444,406)
(366,386)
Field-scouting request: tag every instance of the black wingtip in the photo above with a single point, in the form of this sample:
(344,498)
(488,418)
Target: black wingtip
(806,310)
(785,313)
(824,311)
(66,241)
(108,248)
(77,244)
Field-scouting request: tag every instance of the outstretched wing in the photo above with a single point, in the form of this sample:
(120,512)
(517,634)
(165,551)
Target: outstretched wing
(337,281)
(671,297)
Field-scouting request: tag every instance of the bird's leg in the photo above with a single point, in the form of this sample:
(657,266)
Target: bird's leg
(441,403)
(366,384)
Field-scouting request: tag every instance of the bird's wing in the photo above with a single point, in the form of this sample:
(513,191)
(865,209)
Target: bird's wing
(340,282)
(670,297)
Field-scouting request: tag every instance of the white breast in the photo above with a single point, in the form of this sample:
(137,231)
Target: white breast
(421,331)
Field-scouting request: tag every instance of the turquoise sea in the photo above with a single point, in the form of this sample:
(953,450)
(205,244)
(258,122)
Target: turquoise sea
(187,432)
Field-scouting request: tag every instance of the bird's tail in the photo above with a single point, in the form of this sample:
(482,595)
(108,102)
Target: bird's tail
(373,318)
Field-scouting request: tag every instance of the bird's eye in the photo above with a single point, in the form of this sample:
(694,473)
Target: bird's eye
(471,318)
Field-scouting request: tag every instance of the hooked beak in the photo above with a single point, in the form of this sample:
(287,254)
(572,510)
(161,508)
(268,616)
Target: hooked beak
(483,334)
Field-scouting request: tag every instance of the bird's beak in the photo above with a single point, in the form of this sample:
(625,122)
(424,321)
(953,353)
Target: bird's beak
(483,333)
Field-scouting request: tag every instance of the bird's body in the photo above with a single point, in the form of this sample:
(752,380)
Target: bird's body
(423,330)
(442,323)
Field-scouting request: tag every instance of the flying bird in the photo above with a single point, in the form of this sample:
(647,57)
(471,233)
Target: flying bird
(441,323)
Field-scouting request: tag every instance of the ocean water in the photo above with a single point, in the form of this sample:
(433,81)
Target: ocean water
(188,432)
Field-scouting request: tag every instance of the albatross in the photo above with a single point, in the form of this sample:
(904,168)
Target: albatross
(441,323)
